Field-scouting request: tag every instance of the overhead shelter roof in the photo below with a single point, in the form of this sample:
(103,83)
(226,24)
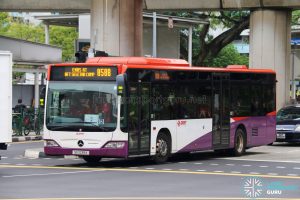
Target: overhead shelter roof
(30,53)
(72,20)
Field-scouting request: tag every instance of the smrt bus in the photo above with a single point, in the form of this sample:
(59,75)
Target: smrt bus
(134,106)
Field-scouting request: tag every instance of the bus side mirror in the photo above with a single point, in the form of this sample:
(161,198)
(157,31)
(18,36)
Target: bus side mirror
(121,84)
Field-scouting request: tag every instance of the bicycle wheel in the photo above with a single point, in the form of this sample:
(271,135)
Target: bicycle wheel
(26,125)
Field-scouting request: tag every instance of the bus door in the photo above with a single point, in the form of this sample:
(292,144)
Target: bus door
(221,111)
(139,118)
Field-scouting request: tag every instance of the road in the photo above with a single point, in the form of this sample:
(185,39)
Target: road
(270,171)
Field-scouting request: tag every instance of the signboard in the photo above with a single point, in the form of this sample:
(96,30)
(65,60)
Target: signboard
(83,73)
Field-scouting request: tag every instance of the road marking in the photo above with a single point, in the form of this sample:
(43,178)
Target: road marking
(133,167)
(17,158)
(198,163)
(296,168)
(219,171)
(4,163)
(150,168)
(263,166)
(156,198)
(183,169)
(201,170)
(246,165)
(258,160)
(3,157)
(182,162)
(230,164)
(292,174)
(280,167)
(254,173)
(214,164)
(60,173)
(20,164)
(273,174)
(37,164)
(148,171)
(235,172)
(47,158)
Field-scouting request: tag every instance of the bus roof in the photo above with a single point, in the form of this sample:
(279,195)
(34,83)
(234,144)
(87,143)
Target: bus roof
(163,64)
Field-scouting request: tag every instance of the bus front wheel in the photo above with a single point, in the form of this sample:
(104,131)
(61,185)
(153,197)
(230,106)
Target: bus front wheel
(163,148)
(239,142)
(91,159)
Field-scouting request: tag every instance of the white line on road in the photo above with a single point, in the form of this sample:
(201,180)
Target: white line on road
(258,160)
(198,163)
(235,172)
(296,168)
(26,175)
(273,174)
(4,163)
(201,170)
(263,166)
(150,168)
(20,164)
(3,157)
(280,167)
(254,173)
(230,164)
(214,164)
(292,174)
(182,162)
(246,165)
(167,169)
(183,169)
(36,164)
(219,171)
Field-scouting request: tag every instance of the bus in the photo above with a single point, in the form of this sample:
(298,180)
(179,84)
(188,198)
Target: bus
(122,107)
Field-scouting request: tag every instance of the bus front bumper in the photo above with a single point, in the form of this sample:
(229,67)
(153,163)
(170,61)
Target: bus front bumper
(103,152)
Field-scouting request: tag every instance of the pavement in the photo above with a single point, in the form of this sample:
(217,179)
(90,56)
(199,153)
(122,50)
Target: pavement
(202,175)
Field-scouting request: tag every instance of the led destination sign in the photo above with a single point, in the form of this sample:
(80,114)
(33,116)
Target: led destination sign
(80,73)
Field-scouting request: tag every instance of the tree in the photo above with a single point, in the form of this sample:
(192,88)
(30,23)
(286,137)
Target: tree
(227,56)
(205,46)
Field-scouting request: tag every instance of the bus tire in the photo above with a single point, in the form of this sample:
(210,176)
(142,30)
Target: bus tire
(239,142)
(163,148)
(91,159)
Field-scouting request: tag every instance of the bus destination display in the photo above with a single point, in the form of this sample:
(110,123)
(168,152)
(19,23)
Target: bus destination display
(81,73)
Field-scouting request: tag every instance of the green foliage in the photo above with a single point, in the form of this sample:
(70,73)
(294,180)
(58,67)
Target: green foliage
(295,17)
(227,56)
(63,37)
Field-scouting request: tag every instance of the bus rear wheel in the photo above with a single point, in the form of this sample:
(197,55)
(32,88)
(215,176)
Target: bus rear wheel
(239,142)
(163,148)
(91,159)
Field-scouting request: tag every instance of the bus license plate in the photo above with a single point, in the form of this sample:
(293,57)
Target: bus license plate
(79,152)
(280,135)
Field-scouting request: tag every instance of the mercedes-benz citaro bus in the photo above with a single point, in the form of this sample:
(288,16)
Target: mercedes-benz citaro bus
(122,107)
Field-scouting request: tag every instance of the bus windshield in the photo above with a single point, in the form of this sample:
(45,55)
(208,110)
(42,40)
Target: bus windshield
(81,106)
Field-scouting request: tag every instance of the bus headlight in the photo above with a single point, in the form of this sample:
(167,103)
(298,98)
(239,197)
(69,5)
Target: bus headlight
(115,145)
(50,143)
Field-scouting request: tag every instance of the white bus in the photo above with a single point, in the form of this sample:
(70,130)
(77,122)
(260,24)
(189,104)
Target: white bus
(127,107)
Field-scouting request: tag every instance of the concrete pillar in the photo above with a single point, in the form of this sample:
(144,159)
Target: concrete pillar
(116,26)
(270,34)
(47,37)
(36,91)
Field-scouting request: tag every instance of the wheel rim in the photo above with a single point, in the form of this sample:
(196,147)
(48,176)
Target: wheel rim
(240,143)
(162,147)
